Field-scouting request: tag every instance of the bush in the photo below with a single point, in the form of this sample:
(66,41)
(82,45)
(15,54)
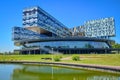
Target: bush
(75,58)
(57,58)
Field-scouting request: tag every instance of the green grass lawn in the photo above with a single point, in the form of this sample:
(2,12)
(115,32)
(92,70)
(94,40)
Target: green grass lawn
(101,59)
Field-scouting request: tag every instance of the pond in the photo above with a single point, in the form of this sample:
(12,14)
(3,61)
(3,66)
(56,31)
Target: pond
(42,72)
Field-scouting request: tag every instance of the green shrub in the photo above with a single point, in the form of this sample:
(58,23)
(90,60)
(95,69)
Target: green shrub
(75,58)
(60,56)
(57,58)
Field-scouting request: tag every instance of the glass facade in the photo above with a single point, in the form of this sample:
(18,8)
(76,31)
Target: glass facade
(35,16)
(25,34)
(69,44)
(102,28)
(41,32)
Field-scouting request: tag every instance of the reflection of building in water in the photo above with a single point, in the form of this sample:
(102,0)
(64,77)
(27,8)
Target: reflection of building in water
(103,78)
(45,73)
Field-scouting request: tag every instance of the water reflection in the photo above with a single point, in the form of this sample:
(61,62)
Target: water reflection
(29,72)
(57,73)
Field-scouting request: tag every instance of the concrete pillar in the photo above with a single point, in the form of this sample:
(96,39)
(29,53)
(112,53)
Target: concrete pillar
(34,52)
(40,51)
(118,51)
(69,51)
(29,52)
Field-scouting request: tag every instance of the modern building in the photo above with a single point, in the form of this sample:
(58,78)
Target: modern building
(78,31)
(102,28)
(39,21)
(42,33)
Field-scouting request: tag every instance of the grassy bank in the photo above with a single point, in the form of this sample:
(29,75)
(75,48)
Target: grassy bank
(101,59)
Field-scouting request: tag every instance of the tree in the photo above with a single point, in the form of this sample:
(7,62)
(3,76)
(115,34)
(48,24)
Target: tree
(116,45)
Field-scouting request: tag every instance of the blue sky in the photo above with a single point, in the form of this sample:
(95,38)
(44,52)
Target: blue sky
(69,12)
